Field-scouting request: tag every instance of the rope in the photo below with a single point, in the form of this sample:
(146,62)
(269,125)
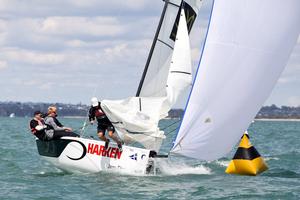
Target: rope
(170,125)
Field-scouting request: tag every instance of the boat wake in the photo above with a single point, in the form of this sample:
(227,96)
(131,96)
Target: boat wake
(172,169)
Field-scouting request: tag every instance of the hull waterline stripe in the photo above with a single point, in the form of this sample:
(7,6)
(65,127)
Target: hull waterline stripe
(211,13)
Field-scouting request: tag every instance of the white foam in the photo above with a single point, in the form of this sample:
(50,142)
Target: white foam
(223,163)
(172,169)
(271,158)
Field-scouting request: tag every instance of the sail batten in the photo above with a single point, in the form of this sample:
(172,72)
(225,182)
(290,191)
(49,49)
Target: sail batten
(247,46)
(152,47)
(153,81)
(139,116)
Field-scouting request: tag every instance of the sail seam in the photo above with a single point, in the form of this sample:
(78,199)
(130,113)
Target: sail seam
(211,13)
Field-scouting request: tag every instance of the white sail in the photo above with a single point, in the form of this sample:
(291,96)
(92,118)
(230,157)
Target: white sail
(180,72)
(136,118)
(247,46)
(154,78)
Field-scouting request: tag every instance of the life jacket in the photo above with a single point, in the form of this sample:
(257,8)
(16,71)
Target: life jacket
(33,126)
(99,113)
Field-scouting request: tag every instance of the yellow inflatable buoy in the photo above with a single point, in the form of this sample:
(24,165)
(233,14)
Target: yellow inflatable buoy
(247,160)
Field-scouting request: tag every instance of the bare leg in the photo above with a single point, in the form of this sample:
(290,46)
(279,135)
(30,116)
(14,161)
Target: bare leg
(115,138)
(102,136)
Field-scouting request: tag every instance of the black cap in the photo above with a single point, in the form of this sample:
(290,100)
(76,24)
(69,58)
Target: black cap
(37,112)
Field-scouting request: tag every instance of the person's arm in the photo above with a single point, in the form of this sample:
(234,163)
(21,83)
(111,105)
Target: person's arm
(50,121)
(61,125)
(91,115)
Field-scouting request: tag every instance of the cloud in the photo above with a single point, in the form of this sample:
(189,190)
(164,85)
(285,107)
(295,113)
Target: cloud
(3,64)
(67,48)
(98,26)
(17,9)
(294,101)
(32,57)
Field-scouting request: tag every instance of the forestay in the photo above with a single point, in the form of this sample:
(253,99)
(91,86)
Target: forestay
(247,46)
(154,79)
(136,118)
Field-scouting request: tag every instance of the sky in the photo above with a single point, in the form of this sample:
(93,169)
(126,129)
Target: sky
(68,51)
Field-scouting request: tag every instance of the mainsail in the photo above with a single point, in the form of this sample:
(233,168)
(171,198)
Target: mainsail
(247,47)
(156,71)
(136,118)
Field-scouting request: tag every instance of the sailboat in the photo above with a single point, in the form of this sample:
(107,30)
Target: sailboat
(246,48)
(136,118)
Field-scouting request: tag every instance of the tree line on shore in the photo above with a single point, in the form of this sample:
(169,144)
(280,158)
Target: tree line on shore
(26,110)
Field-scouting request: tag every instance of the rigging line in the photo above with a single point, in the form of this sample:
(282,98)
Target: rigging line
(152,48)
(135,142)
(85,124)
(171,125)
(171,131)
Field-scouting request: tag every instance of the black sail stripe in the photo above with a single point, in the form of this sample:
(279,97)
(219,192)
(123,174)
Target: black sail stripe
(180,72)
(246,153)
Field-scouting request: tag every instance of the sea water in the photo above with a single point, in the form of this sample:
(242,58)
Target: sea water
(25,176)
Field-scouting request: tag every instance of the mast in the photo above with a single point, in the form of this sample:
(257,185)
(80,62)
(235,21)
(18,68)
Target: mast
(152,47)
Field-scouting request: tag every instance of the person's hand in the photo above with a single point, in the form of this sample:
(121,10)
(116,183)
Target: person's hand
(68,129)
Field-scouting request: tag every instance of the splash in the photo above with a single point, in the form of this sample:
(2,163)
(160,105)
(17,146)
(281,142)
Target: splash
(271,158)
(223,163)
(172,169)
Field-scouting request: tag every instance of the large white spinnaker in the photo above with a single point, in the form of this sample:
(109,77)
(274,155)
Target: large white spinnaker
(156,71)
(136,118)
(247,47)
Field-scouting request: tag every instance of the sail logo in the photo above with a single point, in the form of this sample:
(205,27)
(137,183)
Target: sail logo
(133,157)
(111,152)
(190,16)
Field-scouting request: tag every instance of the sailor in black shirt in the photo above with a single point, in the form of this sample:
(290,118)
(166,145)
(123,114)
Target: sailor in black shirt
(96,113)
(39,129)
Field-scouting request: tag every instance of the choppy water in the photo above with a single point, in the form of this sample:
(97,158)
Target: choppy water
(25,176)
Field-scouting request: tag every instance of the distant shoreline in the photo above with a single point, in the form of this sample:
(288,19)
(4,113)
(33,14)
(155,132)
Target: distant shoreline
(277,120)
(73,117)
(258,119)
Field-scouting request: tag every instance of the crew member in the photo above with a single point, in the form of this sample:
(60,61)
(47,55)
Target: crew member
(44,132)
(96,113)
(53,122)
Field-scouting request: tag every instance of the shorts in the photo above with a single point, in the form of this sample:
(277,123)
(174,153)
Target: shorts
(105,124)
(102,128)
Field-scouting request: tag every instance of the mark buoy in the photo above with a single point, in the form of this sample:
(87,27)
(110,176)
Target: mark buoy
(247,160)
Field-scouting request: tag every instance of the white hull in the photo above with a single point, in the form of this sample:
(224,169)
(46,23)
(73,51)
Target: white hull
(88,155)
